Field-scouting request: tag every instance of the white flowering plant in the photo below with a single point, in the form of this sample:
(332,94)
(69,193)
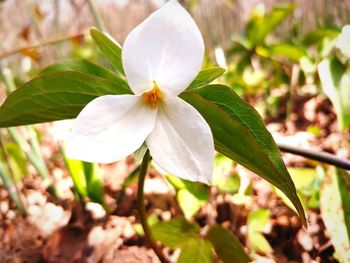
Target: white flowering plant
(156,96)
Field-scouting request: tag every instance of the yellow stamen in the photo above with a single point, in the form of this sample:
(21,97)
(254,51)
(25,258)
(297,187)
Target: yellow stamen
(153,96)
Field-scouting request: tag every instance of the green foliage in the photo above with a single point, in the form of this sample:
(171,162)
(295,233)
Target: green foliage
(240,134)
(224,178)
(175,233)
(191,196)
(335,210)
(317,36)
(205,77)
(109,48)
(55,96)
(87,179)
(335,81)
(226,245)
(257,223)
(179,233)
(196,250)
(83,66)
(12,190)
(261,25)
(287,50)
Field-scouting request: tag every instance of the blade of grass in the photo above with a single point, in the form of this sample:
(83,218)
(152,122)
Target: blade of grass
(9,182)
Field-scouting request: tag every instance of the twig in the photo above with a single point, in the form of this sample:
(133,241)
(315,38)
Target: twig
(96,15)
(318,156)
(142,209)
(39,45)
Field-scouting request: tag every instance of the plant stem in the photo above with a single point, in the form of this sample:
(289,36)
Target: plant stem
(318,156)
(10,181)
(45,43)
(142,209)
(96,15)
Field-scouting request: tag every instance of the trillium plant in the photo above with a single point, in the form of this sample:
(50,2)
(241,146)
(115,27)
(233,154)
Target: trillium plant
(157,96)
(161,57)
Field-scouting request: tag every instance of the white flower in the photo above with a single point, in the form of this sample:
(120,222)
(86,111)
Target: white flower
(161,57)
(343,41)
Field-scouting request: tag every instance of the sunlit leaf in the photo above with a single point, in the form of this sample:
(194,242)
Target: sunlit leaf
(257,223)
(316,36)
(175,233)
(189,203)
(336,85)
(94,183)
(76,171)
(335,210)
(261,25)
(240,134)
(226,245)
(287,50)
(206,76)
(224,178)
(196,250)
(191,196)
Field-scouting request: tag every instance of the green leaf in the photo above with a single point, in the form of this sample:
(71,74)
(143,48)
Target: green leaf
(83,66)
(335,210)
(11,188)
(175,233)
(257,223)
(262,25)
(336,85)
(76,171)
(224,177)
(226,245)
(287,50)
(240,134)
(55,96)
(196,250)
(189,203)
(191,196)
(109,48)
(94,183)
(205,77)
(316,36)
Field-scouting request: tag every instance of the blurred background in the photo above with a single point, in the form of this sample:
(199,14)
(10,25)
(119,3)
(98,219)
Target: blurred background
(289,59)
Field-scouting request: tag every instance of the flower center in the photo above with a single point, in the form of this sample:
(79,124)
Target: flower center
(153,96)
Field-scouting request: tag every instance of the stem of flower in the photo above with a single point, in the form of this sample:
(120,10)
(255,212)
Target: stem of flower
(142,209)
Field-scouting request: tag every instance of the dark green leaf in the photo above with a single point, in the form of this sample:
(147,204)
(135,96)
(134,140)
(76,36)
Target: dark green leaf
(82,66)
(226,245)
(110,49)
(205,77)
(55,96)
(175,233)
(240,134)
(196,250)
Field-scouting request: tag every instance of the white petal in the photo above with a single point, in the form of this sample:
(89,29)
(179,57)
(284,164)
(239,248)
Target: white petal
(110,128)
(167,48)
(181,142)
